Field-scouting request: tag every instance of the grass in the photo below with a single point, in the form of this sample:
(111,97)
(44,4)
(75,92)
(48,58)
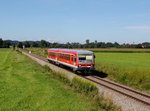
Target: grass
(132,69)
(87,88)
(26,86)
(122,50)
(30,88)
(38,51)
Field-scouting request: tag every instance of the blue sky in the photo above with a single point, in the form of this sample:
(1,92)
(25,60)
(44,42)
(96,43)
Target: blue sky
(76,20)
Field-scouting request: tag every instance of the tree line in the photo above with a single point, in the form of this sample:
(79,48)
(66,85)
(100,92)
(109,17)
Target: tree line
(87,44)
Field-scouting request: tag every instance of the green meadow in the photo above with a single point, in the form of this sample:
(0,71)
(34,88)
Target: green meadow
(132,69)
(27,86)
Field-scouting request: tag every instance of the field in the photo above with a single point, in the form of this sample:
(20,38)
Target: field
(120,50)
(26,86)
(127,66)
(132,69)
(38,51)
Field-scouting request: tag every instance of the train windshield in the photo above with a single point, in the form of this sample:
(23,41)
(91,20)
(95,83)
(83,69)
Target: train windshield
(85,58)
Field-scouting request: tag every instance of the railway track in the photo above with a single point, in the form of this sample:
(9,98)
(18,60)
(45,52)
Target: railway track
(122,89)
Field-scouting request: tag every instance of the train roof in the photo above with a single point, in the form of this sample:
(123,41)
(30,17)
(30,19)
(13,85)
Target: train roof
(73,51)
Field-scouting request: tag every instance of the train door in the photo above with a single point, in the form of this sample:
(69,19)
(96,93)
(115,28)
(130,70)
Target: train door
(73,59)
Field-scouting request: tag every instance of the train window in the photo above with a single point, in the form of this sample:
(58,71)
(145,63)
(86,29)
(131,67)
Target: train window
(67,57)
(52,54)
(89,57)
(82,57)
(85,58)
(60,55)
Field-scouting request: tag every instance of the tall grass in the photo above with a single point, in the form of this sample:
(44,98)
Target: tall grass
(84,86)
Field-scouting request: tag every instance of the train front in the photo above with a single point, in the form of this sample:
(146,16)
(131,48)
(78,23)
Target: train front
(86,61)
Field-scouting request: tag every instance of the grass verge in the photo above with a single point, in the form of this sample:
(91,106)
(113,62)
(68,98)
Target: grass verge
(87,89)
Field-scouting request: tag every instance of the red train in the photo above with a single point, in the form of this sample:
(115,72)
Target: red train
(78,60)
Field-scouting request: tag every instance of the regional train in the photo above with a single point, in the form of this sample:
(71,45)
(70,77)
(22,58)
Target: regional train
(77,60)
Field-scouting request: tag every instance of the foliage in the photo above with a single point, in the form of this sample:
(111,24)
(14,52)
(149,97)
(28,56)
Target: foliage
(20,45)
(87,44)
(1,43)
